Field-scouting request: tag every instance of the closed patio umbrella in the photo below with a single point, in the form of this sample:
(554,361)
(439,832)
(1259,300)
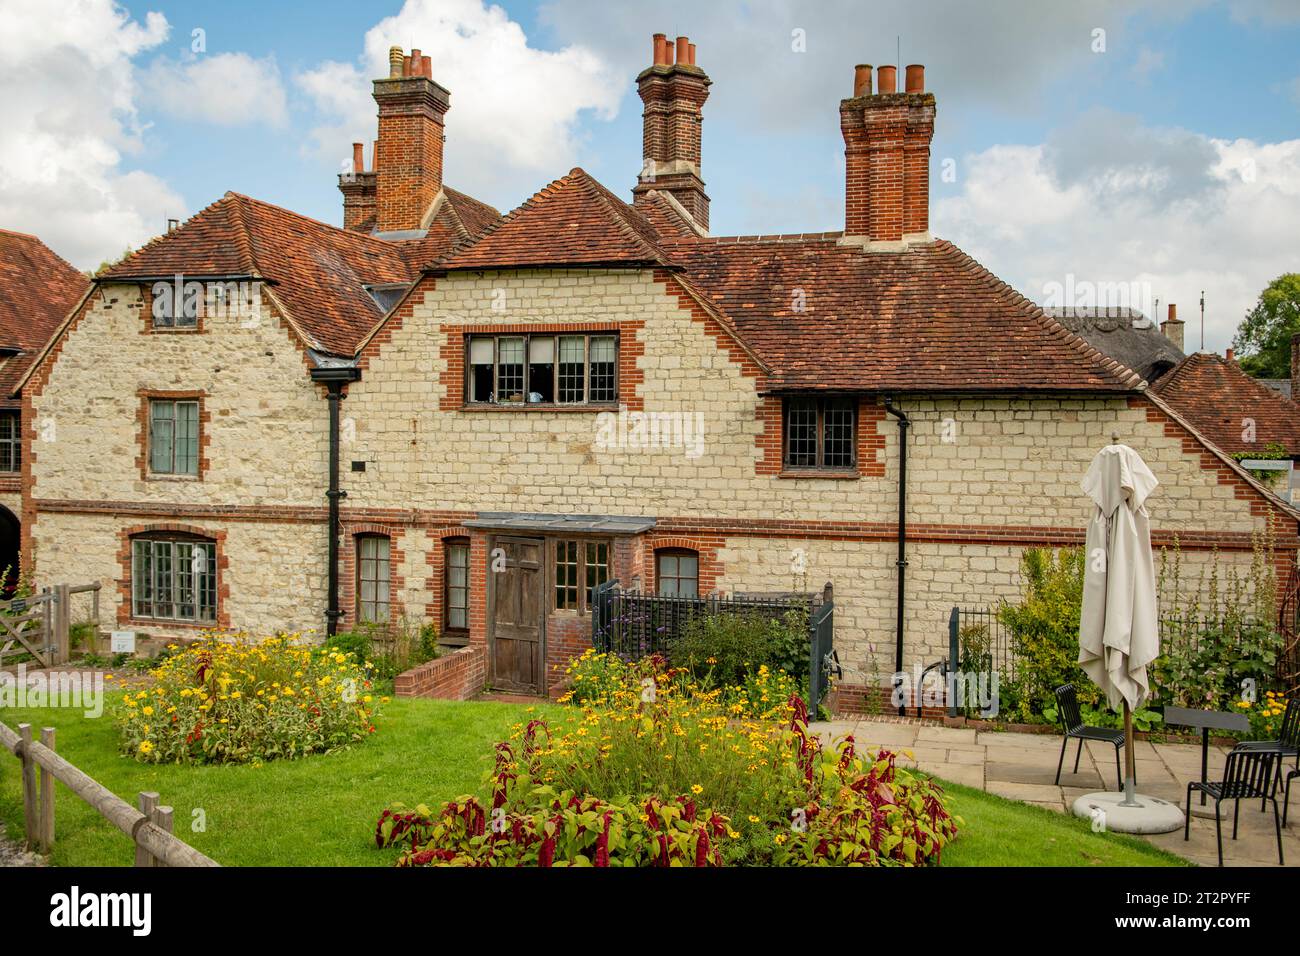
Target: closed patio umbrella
(1118,630)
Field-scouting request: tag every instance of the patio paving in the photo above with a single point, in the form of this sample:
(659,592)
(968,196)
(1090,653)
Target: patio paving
(1023,767)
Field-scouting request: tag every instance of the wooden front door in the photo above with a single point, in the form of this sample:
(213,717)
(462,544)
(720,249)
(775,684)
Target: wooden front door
(516,583)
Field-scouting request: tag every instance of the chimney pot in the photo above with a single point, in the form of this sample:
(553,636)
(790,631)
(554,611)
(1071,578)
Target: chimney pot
(394,61)
(406,66)
(915,78)
(358,158)
(887,79)
(683,50)
(426,67)
(862,80)
(690,50)
(1173,312)
(660,53)
(1229,355)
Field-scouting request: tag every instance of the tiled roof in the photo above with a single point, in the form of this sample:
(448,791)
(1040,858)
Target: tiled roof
(575,221)
(1222,402)
(825,315)
(667,216)
(37,290)
(459,219)
(317,271)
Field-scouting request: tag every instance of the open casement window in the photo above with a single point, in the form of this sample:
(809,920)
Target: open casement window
(820,434)
(174,579)
(11,442)
(580,567)
(173,437)
(456,587)
(542,369)
(677,572)
(373,553)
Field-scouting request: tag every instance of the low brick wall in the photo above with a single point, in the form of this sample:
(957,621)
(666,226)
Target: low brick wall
(866,700)
(458,676)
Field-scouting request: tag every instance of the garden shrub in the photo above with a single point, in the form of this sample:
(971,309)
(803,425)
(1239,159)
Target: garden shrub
(1044,632)
(755,790)
(235,701)
(389,648)
(726,646)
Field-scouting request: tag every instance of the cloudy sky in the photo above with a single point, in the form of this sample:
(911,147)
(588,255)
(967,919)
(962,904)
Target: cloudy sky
(1153,146)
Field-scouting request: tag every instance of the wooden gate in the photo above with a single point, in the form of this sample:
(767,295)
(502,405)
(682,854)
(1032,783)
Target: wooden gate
(41,624)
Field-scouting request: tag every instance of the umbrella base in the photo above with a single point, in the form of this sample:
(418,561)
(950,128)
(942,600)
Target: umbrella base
(1152,816)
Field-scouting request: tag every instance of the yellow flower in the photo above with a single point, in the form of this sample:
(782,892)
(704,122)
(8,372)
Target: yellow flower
(697,789)
(753,819)
(779,838)
(145,746)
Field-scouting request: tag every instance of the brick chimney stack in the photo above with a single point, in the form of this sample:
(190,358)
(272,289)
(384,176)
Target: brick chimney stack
(406,164)
(673,90)
(887,138)
(1172,327)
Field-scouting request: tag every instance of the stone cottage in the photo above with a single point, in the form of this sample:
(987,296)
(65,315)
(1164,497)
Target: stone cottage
(442,413)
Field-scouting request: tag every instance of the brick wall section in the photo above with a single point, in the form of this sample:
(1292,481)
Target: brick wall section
(671,131)
(459,675)
(886,153)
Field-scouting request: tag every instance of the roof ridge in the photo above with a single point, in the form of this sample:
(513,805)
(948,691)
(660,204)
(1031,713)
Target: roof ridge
(512,215)
(243,235)
(339,230)
(607,199)
(44,245)
(1034,311)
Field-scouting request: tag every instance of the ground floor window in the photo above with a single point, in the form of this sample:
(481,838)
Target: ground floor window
(456,574)
(677,572)
(373,553)
(174,579)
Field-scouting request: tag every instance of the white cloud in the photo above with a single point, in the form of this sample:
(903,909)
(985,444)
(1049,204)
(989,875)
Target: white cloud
(1148,61)
(514,108)
(69,117)
(229,89)
(1174,210)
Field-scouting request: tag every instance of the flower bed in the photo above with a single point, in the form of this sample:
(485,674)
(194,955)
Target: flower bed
(223,701)
(648,768)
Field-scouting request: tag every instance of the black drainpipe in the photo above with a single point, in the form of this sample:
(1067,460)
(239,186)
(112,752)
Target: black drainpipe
(334,379)
(903,424)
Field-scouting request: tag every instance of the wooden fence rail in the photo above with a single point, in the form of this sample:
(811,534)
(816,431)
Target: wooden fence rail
(149,827)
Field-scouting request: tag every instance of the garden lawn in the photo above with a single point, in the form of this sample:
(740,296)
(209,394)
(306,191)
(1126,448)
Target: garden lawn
(315,811)
(1001,832)
(321,810)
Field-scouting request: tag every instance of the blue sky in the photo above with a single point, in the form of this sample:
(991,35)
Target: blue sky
(1107,165)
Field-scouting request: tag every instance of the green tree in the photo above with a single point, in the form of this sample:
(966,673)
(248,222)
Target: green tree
(1264,337)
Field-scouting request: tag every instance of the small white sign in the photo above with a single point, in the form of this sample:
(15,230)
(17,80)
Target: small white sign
(122,642)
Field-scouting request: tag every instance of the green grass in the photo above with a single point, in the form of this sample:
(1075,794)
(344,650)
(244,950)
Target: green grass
(1001,832)
(317,811)
(321,811)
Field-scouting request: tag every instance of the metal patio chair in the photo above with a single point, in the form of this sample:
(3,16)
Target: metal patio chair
(1286,800)
(1246,777)
(1287,745)
(1067,711)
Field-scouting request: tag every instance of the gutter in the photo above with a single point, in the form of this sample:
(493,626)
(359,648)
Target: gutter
(901,563)
(334,378)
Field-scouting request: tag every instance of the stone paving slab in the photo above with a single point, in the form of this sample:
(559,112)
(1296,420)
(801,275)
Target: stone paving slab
(1023,767)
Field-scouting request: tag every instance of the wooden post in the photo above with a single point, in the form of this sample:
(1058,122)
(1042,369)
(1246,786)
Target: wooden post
(46,827)
(162,818)
(29,786)
(62,623)
(148,803)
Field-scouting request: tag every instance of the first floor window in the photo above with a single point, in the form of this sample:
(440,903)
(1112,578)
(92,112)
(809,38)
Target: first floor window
(677,572)
(457,585)
(11,444)
(174,579)
(173,437)
(542,369)
(819,433)
(372,578)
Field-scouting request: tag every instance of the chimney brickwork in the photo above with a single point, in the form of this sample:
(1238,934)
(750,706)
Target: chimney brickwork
(887,137)
(673,91)
(406,165)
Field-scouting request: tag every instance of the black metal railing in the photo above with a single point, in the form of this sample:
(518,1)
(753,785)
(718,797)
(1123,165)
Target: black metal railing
(633,624)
